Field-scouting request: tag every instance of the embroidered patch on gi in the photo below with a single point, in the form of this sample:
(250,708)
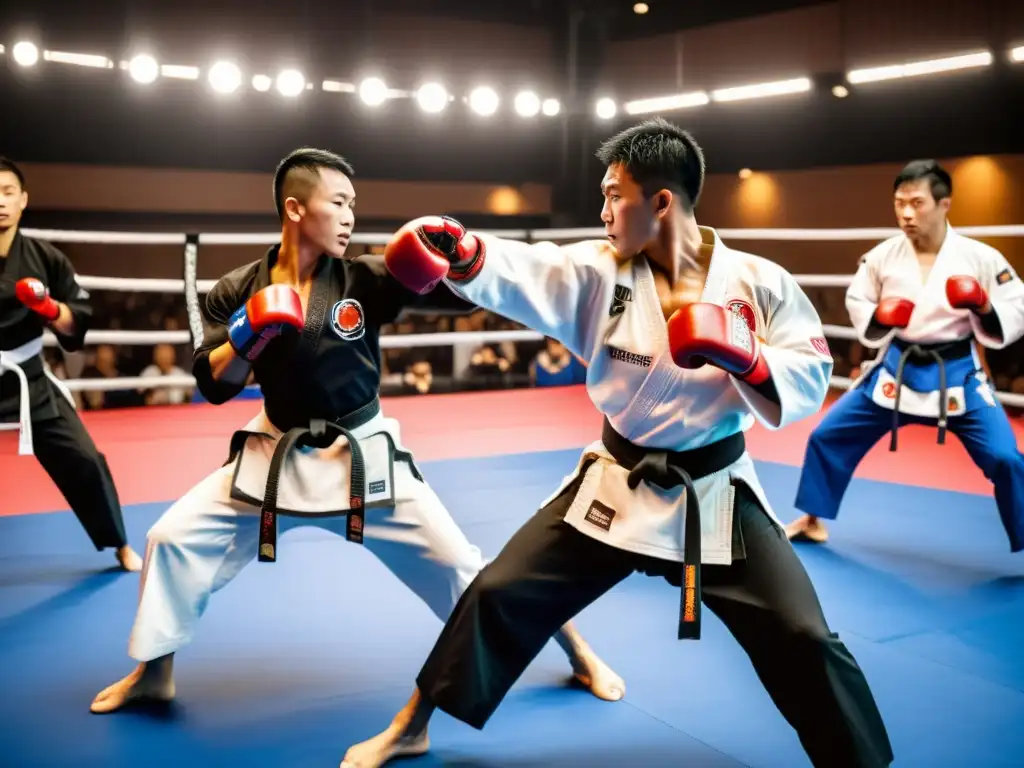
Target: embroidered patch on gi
(644,361)
(745,310)
(600,515)
(889,390)
(821,346)
(348,320)
(740,333)
(621,296)
(377,486)
(1004,277)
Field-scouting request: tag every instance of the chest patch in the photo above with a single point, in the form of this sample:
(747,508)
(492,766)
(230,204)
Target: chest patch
(348,320)
(745,311)
(621,296)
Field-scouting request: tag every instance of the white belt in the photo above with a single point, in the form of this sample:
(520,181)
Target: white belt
(11,360)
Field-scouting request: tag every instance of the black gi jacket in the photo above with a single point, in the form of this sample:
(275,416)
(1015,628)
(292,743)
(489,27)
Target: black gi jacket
(333,368)
(19,325)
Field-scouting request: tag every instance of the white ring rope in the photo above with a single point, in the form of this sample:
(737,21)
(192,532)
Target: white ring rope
(157,285)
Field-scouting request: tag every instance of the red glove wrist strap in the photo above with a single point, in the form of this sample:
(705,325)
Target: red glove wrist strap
(759,372)
(468,271)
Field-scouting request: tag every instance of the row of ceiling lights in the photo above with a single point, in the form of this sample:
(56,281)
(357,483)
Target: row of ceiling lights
(226,77)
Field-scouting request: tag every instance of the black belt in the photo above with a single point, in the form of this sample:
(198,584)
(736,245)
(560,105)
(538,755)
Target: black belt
(920,353)
(670,469)
(320,434)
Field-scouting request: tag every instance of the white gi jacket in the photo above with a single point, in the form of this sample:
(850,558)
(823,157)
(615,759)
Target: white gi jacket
(609,315)
(891,270)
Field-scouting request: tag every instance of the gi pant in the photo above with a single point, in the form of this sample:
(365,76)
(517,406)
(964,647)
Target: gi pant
(205,539)
(70,457)
(855,423)
(549,571)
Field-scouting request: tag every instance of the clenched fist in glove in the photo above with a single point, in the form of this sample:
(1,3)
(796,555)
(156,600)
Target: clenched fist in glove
(894,312)
(701,334)
(262,318)
(34,295)
(964,292)
(430,248)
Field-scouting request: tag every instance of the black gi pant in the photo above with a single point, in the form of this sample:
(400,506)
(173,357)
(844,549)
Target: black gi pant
(548,572)
(80,472)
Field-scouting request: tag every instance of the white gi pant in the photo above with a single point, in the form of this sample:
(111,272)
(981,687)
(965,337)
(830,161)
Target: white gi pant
(206,538)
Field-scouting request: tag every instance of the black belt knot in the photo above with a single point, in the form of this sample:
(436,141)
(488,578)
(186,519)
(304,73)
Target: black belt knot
(670,469)
(320,433)
(919,353)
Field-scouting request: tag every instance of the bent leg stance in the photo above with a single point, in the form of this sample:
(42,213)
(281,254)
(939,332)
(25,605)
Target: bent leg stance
(546,574)
(850,429)
(419,542)
(71,459)
(206,539)
(768,603)
(990,440)
(197,547)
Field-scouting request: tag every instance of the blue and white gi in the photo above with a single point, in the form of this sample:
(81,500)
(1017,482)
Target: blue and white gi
(941,381)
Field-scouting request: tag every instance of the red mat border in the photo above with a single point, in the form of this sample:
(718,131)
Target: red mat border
(157,453)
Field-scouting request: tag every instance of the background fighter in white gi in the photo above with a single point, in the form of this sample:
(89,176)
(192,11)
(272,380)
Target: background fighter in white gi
(924,299)
(741,340)
(306,321)
(39,291)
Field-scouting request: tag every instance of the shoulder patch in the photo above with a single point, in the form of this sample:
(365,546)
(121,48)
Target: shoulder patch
(1004,277)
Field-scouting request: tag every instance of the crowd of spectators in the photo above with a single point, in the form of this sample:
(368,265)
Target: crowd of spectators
(409,370)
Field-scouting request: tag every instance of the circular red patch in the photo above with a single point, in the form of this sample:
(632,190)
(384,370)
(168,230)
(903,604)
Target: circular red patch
(348,320)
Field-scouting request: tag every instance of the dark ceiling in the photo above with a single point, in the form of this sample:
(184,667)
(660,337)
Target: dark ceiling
(106,17)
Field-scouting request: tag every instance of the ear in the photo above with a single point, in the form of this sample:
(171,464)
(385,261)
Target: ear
(24,200)
(663,200)
(294,210)
(944,204)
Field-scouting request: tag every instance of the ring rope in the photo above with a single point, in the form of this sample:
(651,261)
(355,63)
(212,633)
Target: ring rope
(159,285)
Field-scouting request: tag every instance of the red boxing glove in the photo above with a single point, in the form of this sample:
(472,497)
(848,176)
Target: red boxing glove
(262,318)
(964,292)
(428,249)
(707,333)
(34,295)
(894,313)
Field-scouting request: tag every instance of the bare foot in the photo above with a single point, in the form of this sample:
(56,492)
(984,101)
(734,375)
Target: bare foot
(129,559)
(597,676)
(147,683)
(807,528)
(386,746)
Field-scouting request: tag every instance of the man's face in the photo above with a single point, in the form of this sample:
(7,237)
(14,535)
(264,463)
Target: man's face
(328,215)
(13,200)
(630,219)
(917,212)
(164,357)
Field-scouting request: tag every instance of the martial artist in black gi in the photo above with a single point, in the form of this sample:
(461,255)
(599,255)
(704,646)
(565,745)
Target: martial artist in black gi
(305,320)
(38,291)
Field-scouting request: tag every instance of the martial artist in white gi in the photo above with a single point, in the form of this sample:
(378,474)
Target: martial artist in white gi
(925,299)
(306,321)
(687,343)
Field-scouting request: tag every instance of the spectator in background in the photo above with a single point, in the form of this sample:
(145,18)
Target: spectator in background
(104,366)
(164,364)
(419,377)
(554,366)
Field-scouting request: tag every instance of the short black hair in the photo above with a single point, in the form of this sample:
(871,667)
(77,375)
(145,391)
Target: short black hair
(9,165)
(658,155)
(308,161)
(938,177)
